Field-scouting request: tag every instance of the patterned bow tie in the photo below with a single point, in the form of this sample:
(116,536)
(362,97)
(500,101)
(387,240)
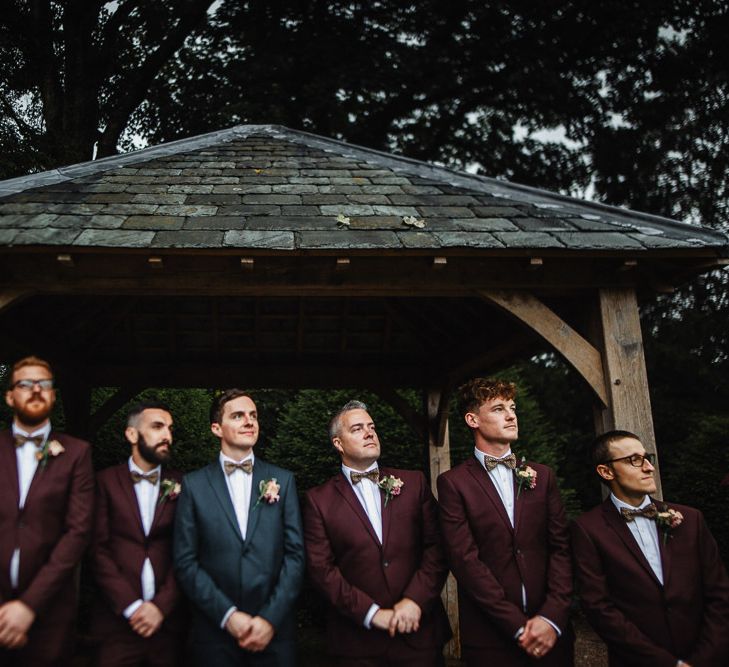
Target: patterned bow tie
(151,477)
(649,512)
(245,466)
(357,477)
(20,440)
(509,461)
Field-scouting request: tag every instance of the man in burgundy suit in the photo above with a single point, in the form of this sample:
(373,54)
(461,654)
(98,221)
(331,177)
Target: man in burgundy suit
(649,573)
(46,512)
(373,550)
(139,620)
(505,533)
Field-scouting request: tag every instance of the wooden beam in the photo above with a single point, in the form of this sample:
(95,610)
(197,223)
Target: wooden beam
(438,443)
(585,359)
(10,296)
(116,401)
(411,416)
(629,406)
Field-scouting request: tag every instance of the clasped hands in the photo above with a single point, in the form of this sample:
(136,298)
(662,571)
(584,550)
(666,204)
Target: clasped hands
(253,633)
(538,637)
(404,617)
(16,617)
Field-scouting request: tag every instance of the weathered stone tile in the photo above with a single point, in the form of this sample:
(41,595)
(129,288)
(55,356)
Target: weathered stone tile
(300,210)
(250,209)
(196,189)
(46,236)
(187,210)
(484,225)
(240,189)
(154,222)
(224,222)
(445,211)
(271,199)
(295,189)
(496,211)
(528,240)
(377,222)
(418,239)
(116,238)
(188,239)
(90,221)
(467,240)
(259,239)
(159,199)
(295,223)
(595,240)
(216,200)
(34,221)
(348,238)
(347,209)
(542,225)
(7,236)
(366,198)
(129,209)
(402,211)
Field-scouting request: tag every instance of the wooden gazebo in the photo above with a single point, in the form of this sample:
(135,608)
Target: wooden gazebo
(270,257)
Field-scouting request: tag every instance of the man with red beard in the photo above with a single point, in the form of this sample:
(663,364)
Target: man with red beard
(139,621)
(46,512)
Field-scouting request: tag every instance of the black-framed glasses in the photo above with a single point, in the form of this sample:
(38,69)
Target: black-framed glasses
(45,384)
(636,460)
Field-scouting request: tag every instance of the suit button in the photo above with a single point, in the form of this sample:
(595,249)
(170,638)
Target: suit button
(386,563)
(517,552)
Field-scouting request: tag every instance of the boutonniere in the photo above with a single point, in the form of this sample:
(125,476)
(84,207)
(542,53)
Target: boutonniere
(51,448)
(268,491)
(391,486)
(667,520)
(525,476)
(168,489)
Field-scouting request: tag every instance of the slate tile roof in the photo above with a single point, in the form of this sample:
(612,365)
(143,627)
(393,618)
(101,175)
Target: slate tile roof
(271,188)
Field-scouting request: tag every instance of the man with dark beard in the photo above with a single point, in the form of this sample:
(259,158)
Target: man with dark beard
(139,620)
(46,512)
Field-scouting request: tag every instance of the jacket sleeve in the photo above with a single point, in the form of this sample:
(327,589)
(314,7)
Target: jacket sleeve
(67,552)
(472,573)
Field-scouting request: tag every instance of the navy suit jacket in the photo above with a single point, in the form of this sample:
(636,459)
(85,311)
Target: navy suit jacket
(218,569)
(646,623)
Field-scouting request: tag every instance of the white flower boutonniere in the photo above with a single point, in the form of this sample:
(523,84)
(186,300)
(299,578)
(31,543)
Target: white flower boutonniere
(667,520)
(268,491)
(51,448)
(169,489)
(391,486)
(525,476)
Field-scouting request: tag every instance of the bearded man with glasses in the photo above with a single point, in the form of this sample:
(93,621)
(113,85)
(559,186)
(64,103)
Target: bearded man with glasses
(649,574)
(46,512)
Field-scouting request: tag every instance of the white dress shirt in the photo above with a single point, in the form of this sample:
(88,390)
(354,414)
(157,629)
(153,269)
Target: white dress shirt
(25,457)
(239,485)
(503,479)
(369,496)
(645,532)
(147,496)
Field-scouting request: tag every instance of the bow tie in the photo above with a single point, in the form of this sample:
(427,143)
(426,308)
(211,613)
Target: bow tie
(357,477)
(151,477)
(20,440)
(509,461)
(245,466)
(649,512)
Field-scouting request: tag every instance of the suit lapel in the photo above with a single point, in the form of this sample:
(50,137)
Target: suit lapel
(41,471)
(664,545)
(9,466)
(484,480)
(345,490)
(127,488)
(260,472)
(518,503)
(385,512)
(618,524)
(217,483)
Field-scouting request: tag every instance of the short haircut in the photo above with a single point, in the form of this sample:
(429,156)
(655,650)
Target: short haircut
(335,425)
(218,405)
(29,361)
(473,394)
(601,444)
(135,412)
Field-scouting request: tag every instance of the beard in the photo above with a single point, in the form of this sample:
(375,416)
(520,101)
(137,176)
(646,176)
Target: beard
(34,411)
(150,453)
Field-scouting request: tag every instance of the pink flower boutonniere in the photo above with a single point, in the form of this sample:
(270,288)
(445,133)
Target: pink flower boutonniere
(525,476)
(667,520)
(268,490)
(51,448)
(169,489)
(391,486)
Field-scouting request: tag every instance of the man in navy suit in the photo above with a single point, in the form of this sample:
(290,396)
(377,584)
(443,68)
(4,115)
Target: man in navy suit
(239,548)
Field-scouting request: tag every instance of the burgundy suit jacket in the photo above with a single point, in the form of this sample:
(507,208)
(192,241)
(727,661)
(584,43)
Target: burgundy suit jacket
(643,622)
(491,559)
(347,563)
(52,530)
(120,547)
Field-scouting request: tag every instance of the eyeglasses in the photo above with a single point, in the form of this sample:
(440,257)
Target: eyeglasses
(636,460)
(25,385)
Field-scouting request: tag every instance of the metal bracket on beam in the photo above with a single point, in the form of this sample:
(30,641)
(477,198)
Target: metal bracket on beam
(439,262)
(155,262)
(64,259)
(535,263)
(628,265)
(342,263)
(247,263)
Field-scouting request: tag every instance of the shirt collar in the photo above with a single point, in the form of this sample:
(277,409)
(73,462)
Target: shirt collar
(223,458)
(619,504)
(482,455)
(44,431)
(347,471)
(135,468)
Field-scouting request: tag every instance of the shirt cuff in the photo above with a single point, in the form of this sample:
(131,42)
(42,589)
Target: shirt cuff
(556,629)
(370,615)
(228,614)
(519,632)
(129,611)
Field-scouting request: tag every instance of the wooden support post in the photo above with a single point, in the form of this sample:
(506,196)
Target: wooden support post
(436,407)
(629,405)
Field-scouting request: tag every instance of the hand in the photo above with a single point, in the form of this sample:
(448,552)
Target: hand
(381,619)
(683,663)
(406,617)
(16,617)
(538,637)
(260,633)
(146,620)
(239,624)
